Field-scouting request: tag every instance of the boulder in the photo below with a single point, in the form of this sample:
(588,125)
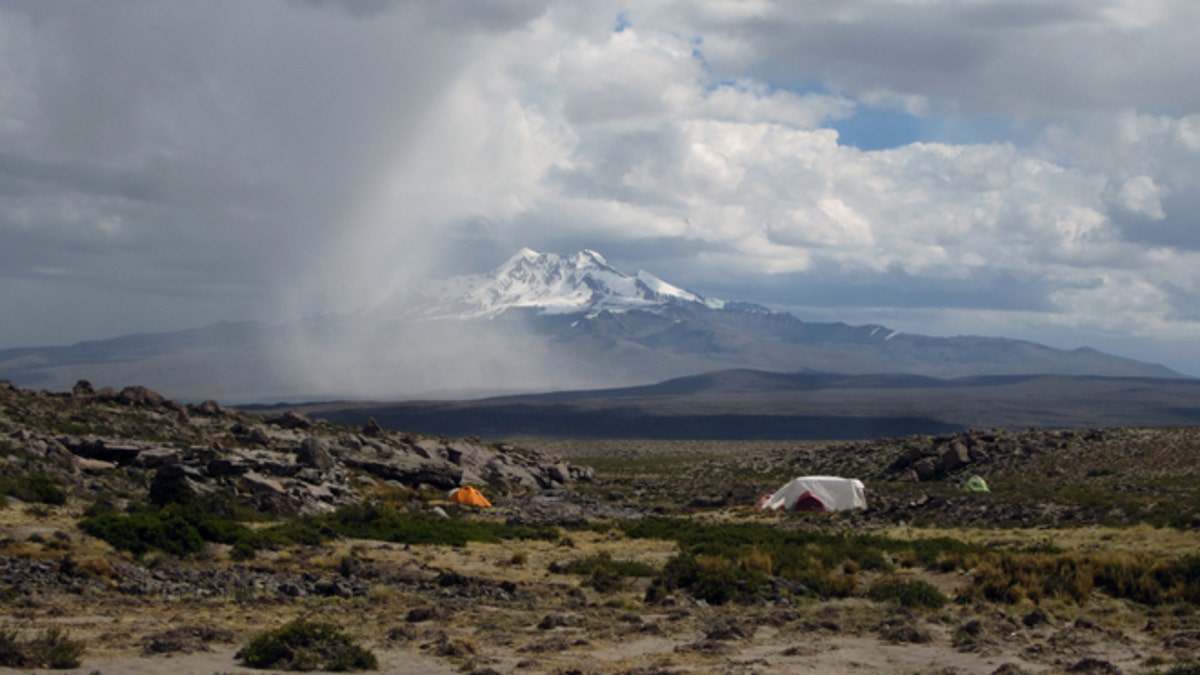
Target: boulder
(152,458)
(372,428)
(314,452)
(955,456)
(209,408)
(291,420)
(925,468)
(178,482)
(410,472)
(146,397)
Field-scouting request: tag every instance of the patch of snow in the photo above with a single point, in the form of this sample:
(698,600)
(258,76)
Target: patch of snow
(582,283)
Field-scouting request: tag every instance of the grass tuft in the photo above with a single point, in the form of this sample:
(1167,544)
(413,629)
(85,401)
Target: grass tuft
(307,645)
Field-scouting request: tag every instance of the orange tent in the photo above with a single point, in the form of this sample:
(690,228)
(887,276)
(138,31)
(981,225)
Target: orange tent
(469,495)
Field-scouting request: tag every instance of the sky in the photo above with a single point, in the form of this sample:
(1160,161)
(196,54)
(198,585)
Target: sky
(1015,168)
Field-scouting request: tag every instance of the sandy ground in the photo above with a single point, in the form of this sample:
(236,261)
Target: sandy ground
(765,655)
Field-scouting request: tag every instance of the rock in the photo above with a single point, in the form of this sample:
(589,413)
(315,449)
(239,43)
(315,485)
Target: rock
(1035,618)
(411,473)
(145,397)
(93,465)
(551,621)
(228,466)
(372,428)
(268,494)
(83,389)
(925,468)
(291,420)
(107,451)
(315,453)
(420,614)
(209,408)
(584,473)
(954,457)
(559,473)
(152,458)
(177,482)
(1092,666)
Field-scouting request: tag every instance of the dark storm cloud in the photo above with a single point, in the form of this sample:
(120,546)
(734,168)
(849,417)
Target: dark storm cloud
(1017,57)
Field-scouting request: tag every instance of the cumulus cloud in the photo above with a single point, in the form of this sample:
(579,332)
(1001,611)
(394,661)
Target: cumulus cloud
(268,159)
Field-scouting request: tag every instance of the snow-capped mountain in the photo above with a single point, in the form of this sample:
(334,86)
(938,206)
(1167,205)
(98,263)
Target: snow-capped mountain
(538,322)
(551,284)
(588,313)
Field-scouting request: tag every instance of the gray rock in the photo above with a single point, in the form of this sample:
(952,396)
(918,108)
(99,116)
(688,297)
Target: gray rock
(314,452)
(152,458)
(176,482)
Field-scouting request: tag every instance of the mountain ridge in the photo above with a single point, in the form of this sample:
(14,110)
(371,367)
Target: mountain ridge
(760,405)
(537,322)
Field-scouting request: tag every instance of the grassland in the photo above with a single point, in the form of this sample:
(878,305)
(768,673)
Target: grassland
(1084,557)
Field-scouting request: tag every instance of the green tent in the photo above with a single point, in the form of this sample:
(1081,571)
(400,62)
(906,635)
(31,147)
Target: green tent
(976,484)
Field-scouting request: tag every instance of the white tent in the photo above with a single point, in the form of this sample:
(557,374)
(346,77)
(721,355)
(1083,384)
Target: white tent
(819,493)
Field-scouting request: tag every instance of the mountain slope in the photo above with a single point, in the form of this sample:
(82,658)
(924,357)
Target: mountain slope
(538,322)
(745,404)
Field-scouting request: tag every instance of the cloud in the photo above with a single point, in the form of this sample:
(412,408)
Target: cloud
(232,160)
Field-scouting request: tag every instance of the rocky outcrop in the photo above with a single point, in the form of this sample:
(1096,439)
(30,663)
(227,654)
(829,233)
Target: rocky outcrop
(286,463)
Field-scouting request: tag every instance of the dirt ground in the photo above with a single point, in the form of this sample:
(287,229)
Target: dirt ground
(499,608)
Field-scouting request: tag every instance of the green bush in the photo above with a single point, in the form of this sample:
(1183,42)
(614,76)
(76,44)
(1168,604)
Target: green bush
(385,523)
(182,528)
(307,645)
(605,574)
(714,579)
(34,486)
(722,562)
(140,533)
(912,593)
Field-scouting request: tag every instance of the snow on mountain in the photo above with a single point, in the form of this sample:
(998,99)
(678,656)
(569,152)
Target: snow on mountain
(582,283)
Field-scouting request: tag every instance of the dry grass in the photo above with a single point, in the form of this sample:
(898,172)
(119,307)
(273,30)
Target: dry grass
(1092,539)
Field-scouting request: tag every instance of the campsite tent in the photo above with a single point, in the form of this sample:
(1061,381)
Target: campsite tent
(469,495)
(819,493)
(976,484)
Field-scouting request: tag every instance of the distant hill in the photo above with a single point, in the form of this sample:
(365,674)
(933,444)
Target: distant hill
(745,404)
(538,322)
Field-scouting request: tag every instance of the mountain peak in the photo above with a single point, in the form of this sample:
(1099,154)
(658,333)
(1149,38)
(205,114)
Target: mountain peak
(550,283)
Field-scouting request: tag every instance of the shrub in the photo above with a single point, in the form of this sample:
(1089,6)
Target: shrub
(50,649)
(182,528)
(912,593)
(37,487)
(382,522)
(307,645)
(714,579)
(140,533)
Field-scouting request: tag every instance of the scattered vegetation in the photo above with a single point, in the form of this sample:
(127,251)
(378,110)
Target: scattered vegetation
(382,522)
(52,648)
(183,528)
(307,645)
(912,593)
(34,486)
(603,573)
(726,561)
